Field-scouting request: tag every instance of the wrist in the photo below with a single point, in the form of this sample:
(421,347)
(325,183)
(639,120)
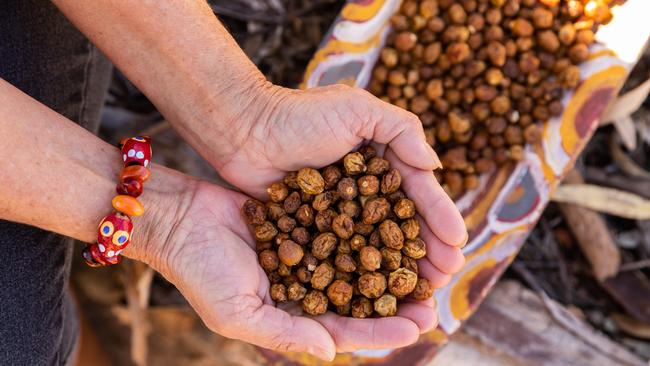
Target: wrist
(166,201)
(219,123)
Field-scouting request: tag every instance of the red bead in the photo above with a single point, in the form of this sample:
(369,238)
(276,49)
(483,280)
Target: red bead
(138,172)
(129,187)
(136,151)
(113,235)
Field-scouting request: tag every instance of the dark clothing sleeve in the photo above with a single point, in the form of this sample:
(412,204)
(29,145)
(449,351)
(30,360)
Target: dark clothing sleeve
(45,56)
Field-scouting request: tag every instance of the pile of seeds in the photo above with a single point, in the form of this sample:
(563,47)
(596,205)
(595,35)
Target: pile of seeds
(482,75)
(343,238)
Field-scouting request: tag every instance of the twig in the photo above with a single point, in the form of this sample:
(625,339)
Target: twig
(574,325)
(632,266)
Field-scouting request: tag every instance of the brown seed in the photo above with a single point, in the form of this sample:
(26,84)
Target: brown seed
(284,270)
(386,305)
(275,210)
(277,192)
(368,152)
(458,122)
(324,219)
(292,203)
(404,208)
(391,235)
(533,134)
(432,52)
(361,308)
(310,181)
(457,14)
(354,163)
(263,245)
(548,40)
(368,185)
(279,293)
(500,105)
(370,258)
(310,262)
(402,282)
(339,293)
(323,245)
(343,226)
(315,303)
(269,260)
(344,247)
(322,276)
(345,263)
(567,34)
(423,289)
(331,175)
(290,253)
(300,235)
(375,211)
(542,18)
(410,228)
(415,248)
(303,274)
(458,52)
(405,41)
(347,188)
(391,181)
(324,200)
(372,284)
(291,180)
(280,238)
(377,166)
(410,264)
(254,212)
(389,57)
(350,208)
(390,258)
(296,292)
(286,224)
(265,232)
(358,241)
(579,52)
(569,77)
(305,215)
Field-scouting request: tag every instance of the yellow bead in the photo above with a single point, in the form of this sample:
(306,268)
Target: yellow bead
(128,205)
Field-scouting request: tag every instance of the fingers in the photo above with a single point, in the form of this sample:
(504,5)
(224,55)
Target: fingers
(438,210)
(427,270)
(446,258)
(437,277)
(401,130)
(275,329)
(351,334)
(419,313)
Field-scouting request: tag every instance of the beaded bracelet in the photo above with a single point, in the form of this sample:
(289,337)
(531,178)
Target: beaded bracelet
(115,230)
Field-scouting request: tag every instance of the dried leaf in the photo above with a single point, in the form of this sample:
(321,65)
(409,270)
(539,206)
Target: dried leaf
(592,235)
(626,104)
(626,130)
(632,326)
(606,200)
(629,166)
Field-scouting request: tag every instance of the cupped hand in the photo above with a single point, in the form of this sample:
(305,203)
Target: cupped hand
(209,255)
(316,127)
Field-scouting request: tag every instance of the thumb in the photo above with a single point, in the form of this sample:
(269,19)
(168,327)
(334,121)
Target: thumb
(402,131)
(278,330)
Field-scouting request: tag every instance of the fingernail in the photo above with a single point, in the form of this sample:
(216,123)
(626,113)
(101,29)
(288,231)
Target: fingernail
(464,242)
(322,353)
(436,159)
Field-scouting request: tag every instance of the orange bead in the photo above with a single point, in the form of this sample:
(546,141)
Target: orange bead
(135,172)
(128,205)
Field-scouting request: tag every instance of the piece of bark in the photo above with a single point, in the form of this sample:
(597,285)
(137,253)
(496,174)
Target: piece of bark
(536,330)
(137,285)
(631,289)
(592,235)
